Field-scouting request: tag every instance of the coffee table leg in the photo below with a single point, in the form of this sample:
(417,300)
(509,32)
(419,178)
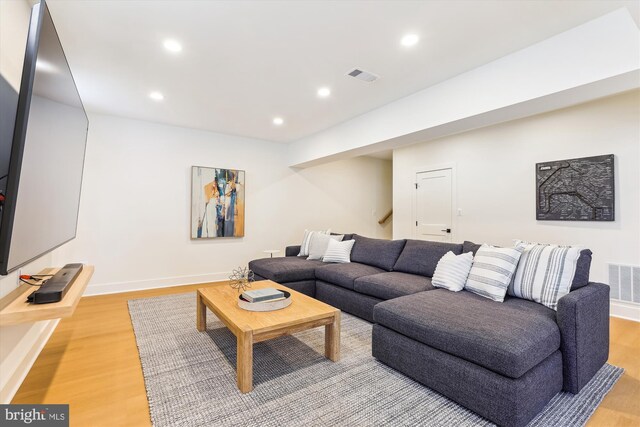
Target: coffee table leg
(201,313)
(244,361)
(332,339)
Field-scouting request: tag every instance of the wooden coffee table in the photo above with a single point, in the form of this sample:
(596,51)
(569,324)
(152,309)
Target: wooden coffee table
(250,327)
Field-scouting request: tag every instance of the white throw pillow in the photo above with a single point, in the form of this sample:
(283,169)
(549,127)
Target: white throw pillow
(545,273)
(338,251)
(306,241)
(492,271)
(452,271)
(319,244)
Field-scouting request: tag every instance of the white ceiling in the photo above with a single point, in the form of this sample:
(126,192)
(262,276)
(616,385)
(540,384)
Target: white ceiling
(244,62)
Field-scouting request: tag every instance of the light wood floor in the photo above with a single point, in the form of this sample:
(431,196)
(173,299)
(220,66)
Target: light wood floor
(91,362)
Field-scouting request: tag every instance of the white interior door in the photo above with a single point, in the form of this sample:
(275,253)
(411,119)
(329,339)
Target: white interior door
(433,205)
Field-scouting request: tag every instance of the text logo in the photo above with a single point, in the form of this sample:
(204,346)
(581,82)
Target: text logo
(34,415)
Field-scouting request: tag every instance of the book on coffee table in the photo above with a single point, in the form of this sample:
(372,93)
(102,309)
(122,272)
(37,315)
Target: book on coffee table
(262,295)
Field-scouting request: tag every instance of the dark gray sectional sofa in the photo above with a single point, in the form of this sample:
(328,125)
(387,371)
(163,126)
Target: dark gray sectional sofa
(504,361)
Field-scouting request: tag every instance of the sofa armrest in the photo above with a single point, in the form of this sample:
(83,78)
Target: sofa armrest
(583,319)
(292,250)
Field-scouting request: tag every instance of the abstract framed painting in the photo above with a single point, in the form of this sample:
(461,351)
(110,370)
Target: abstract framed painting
(217,202)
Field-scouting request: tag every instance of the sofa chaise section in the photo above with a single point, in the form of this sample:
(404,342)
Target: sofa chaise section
(295,272)
(508,338)
(506,401)
(505,360)
(502,360)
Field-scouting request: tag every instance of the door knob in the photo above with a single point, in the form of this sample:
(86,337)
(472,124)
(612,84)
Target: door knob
(448,230)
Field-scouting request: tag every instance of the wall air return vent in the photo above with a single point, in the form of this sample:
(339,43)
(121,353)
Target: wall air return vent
(624,281)
(365,76)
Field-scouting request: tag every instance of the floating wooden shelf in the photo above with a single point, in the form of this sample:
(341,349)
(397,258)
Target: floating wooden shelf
(15,309)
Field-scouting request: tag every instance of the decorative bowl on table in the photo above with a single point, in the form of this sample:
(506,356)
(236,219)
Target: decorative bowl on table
(265,305)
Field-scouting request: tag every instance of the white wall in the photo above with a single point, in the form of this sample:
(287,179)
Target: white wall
(14,25)
(134,212)
(496,178)
(19,344)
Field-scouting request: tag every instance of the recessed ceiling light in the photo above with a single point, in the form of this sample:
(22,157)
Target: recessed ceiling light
(323,92)
(156,96)
(278,121)
(172,45)
(409,40)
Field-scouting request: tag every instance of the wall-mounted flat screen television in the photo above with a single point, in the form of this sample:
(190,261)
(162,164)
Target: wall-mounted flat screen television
(41,188)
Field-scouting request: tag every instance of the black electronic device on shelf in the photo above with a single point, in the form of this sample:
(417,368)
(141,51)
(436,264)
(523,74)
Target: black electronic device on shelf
(57,286)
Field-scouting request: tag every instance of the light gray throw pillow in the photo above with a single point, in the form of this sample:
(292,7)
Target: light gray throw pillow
(319,243)
(306,240)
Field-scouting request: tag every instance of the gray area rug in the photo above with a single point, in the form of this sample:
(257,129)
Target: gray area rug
(191,381)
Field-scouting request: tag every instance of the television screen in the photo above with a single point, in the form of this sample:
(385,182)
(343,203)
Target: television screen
(46,162)
(8,107)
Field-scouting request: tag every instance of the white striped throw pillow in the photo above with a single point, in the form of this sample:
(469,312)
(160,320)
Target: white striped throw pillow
(306,241)
(492,271)
(452,271)
(320,243)
(338,251)
(545,273)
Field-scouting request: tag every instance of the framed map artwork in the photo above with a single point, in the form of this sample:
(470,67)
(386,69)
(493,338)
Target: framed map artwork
(576,190)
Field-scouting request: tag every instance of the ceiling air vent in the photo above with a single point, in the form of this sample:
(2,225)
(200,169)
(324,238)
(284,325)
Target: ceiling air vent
(365,76)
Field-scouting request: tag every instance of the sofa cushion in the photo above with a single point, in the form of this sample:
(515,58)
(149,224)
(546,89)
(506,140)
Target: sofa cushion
(422,256)
(292,250)
(508,338)
(583,266)
(468,246)
(285,269)
(345,274)
(392,285)
(346,236)
(376,252)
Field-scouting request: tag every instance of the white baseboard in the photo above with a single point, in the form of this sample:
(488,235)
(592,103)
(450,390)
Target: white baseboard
(625,310)
(165,282)
(20,373)
(622,309)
